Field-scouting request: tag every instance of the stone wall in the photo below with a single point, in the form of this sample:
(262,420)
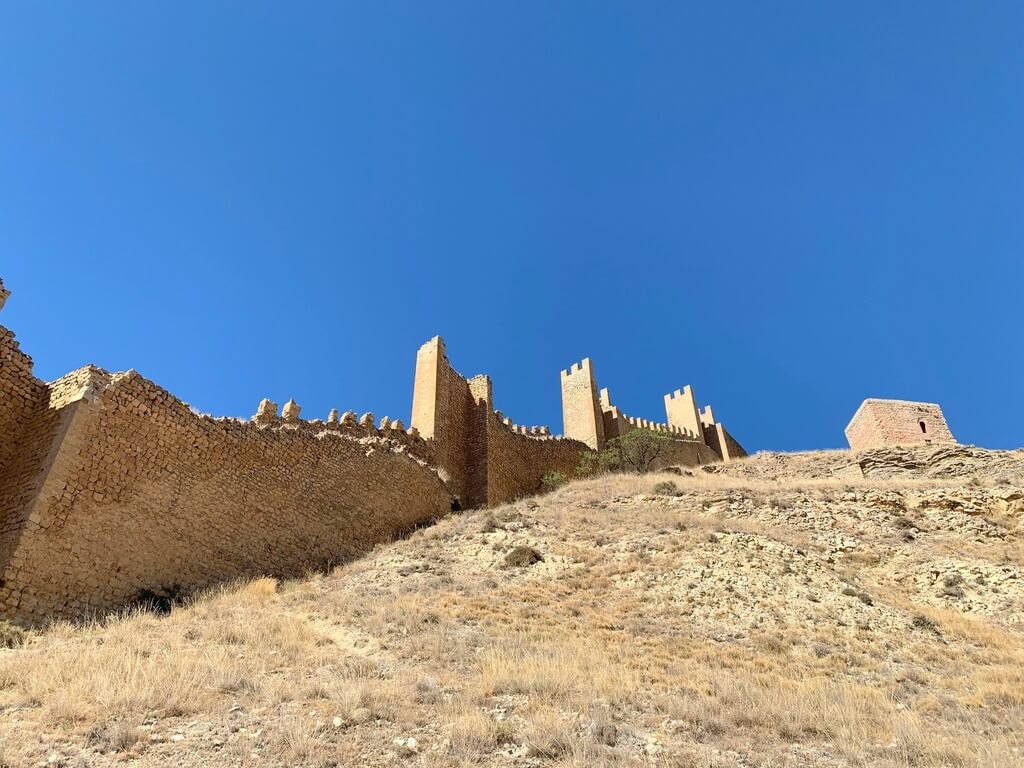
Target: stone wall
(112,489)
(590,416)
(686,453)
(442,411)
(681,411)
(517,462)
(879,423)
(27,430)
(486,457)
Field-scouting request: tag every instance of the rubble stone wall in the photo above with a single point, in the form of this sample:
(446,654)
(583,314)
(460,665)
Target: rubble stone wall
(442,411)
(112,489)
(26,434)
(489,459)
(686,453)
(139,495)
(516,463)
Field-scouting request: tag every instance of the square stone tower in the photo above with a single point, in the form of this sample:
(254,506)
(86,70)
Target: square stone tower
(581,408)
(879,423)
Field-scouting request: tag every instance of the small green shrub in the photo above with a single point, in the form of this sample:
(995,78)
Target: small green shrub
(593,463)
(552,480)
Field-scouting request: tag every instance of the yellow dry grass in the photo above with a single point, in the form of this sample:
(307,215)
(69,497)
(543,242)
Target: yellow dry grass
(725,626)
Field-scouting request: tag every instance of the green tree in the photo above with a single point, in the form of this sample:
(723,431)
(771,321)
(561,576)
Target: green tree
(635,451)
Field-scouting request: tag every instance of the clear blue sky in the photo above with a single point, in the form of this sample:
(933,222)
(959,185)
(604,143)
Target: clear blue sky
(791,206)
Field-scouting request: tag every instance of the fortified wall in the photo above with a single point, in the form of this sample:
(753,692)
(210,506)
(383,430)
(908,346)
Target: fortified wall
(485,458)
(590,417)
(113,490)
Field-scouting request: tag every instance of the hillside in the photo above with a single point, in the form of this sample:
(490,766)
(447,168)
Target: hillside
(783,610)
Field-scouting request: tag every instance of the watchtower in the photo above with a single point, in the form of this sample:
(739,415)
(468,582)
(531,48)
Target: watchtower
(581,408)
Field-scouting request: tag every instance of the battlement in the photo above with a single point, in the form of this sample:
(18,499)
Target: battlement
(685,392)
(540,432)
(590,416)
(267,417)
(618,424)
(584,367)
(487,457)
(111,486)
(707,417)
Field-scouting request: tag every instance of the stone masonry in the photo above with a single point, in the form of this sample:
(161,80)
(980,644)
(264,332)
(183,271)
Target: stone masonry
(590,417)
(484,457)
(880,423)
(113,490)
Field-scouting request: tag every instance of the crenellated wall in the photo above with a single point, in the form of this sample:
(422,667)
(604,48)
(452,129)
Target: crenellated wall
(112,489)
(486,457)
(142,496)
(590,416)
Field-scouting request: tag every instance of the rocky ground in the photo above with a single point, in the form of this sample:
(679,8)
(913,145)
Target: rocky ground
(787,610)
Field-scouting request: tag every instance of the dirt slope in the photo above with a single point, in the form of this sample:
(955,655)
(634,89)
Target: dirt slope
(787,610)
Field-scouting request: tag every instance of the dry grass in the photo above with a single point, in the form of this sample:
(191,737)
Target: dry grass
(709,626)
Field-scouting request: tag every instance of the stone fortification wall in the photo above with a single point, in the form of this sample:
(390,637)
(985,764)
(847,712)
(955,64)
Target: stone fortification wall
(718,438)
(880,423)
(27,429)
(443,411)
(487,458)
(112,489)
(517,459)
(591,417)
(617,424)
(132,493)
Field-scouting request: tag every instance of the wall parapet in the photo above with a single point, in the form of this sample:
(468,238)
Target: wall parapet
(684,422)
(111,487)
(138,493)
(488,457)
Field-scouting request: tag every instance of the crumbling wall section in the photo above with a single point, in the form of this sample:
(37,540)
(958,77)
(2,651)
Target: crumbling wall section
(143,496)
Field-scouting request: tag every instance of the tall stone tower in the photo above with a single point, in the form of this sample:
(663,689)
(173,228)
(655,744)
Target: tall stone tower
(425,388)
(453,414)
(581,409)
